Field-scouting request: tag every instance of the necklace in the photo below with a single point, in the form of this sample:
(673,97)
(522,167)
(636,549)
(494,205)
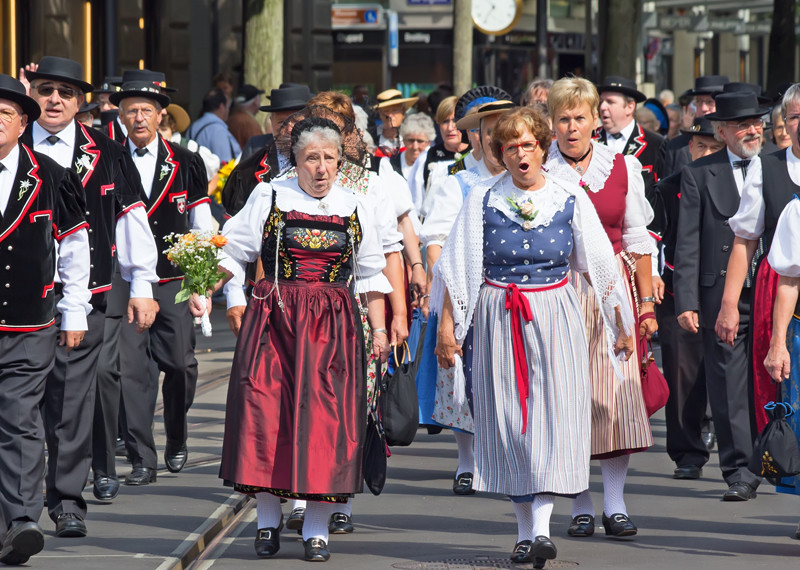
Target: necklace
(576,161)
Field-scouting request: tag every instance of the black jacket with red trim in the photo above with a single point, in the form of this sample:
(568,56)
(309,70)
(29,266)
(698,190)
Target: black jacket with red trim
(46,204)
(261,166)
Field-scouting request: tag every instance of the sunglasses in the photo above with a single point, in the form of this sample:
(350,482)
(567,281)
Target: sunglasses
(66,93)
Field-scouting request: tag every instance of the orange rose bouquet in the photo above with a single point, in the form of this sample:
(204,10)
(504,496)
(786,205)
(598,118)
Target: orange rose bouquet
(196,254)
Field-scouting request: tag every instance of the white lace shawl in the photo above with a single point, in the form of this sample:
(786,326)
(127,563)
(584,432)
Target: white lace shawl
(638,212)
(459,270)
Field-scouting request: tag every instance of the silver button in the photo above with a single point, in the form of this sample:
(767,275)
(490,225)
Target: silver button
(5,303)
(90,230)
(3,322)
(725,247)
(10,248)
(722,272)
(8,285)
(91,249)
(94,283)
(91,266)
(87,212)
(8,267)
(155,222)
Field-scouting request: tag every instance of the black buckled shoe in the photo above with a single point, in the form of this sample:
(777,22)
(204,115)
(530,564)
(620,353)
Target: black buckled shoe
(687,472)
(618,525)
(522,552)
(141,476)
(582,525)
(316,550)
(105,488)
(23,540)
(295,520)
(175,455)
(462,484)
(340,523)
(543,550)
(268,541)
(70,525)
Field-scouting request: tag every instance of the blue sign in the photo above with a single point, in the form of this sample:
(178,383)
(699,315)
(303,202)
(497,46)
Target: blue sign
(370,16)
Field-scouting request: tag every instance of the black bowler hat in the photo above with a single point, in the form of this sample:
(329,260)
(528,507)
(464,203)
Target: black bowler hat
(248,92)
(156,77)
(15,91)
(735,106)
(709,84)
(287,98)
(146,89)
(740,86)
(87,107)
(701,127)
(621,85)
(60,69)
(110,84)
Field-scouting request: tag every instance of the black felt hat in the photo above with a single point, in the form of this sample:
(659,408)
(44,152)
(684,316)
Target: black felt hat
(156,77)
(740,86)
(287,98)
(709,84)
(110,84)
(15,91)
(60,69)
(735,106)
(146,89)
(621,85)
(701,127)
(87,107)
(247,92)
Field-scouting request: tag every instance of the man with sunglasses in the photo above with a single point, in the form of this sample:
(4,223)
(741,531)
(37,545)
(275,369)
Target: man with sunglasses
(711,190)
(174,191)
(117,228)
(41,220)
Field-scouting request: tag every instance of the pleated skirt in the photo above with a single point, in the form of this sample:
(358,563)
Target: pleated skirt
(620,424)
(552,456)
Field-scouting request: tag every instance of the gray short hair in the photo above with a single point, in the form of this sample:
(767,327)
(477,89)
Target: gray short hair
(792,95)
(418,124)
(537,83)
(324,135)
(717,125)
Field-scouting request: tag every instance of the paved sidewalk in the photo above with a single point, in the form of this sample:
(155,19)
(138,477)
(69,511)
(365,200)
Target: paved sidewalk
(417,523)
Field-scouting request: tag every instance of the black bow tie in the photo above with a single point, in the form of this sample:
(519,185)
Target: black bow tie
(743,165)
(140,151)
(52,139)
(616,136)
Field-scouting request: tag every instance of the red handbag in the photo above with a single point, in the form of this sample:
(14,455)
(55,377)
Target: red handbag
(654,386)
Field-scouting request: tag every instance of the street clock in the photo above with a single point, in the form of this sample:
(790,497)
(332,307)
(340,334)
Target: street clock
(496,17)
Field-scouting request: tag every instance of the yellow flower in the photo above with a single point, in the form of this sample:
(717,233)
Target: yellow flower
(187,238)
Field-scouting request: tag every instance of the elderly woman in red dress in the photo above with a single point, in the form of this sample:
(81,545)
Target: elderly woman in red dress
(295,420)
(614,184)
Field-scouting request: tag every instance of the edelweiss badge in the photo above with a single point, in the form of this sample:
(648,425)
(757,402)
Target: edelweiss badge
(23,187)
(84,162)
(165,170)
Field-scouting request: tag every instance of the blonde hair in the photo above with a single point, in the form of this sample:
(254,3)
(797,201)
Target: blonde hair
(571,93)
(446,108)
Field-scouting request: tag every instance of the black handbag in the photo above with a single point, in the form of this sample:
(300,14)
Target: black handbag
(374,459)
(776,452)
(398,400)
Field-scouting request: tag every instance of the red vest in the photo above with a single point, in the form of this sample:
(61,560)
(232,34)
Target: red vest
(610,202)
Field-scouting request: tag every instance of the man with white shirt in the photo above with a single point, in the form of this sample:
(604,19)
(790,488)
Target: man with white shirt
(42,231)
(772,181)
(175,195)
(710,194)
(117,228)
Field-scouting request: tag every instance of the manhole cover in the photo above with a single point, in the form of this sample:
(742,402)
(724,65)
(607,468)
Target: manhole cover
(476,563)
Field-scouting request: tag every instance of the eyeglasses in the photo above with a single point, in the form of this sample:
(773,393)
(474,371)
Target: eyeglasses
(512,149)
(8,115)
(415,141)
(746,125)
(146,112)
(66,93)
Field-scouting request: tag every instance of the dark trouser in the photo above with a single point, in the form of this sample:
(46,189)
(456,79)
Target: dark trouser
(727,380)
(67,411)
(170,344)
(682,358)
(107,401)
(25,361)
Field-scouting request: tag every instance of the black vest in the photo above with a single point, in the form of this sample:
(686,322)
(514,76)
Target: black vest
(259,167)
(179,184)
(395,162)
(778,190)
(46,204)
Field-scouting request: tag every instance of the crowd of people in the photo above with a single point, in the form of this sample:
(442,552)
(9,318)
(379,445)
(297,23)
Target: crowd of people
(574,210)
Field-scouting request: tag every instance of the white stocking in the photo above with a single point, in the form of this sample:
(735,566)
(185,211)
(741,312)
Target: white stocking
(524,520)
(466,456)
(541,510)
(315,524)
(346,508)
(614,472)
(268,510)
(582,504)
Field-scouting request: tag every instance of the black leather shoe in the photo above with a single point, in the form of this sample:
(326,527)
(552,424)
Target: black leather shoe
(582,525)
(340,523)
(296,518)
(105,488)
(70,525)
(739,491)
(462,484)
(119,448)
(619,524)
(687,472)
(175,456)
(709,439)
(268,541)
(522,552)
(141,476)
(316,550)
(23,540)
(542,550)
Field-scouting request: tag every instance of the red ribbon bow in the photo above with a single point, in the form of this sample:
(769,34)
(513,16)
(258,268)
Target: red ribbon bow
(519,306)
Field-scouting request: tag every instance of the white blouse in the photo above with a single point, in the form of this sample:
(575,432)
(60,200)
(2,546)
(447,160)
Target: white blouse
(398,192)
(244,232)
(748,223)
(784,255)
